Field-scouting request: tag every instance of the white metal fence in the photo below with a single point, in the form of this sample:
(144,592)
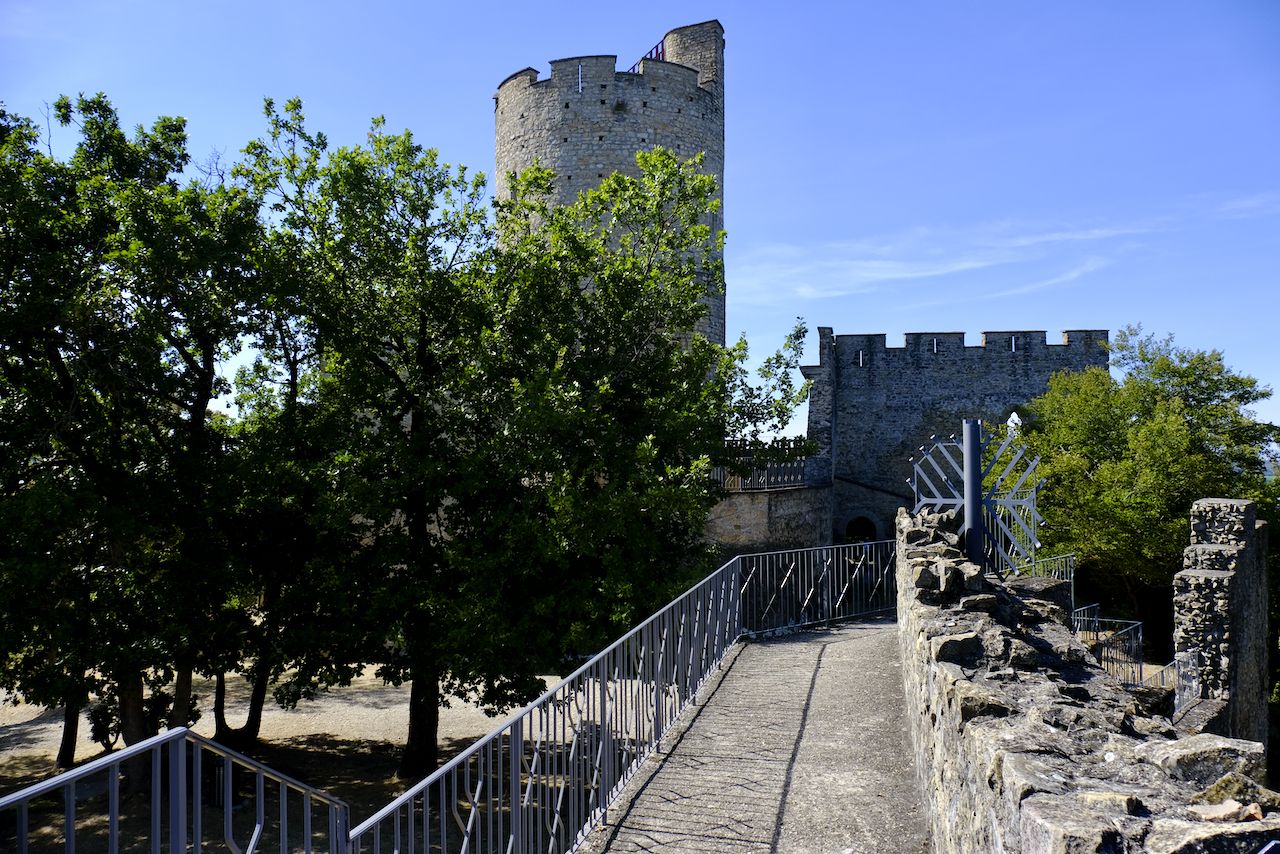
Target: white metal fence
(541,780)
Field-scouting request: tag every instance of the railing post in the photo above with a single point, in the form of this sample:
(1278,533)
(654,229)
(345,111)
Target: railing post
(1138,653)
(178,793)
(659,662)
(516,843)
(69,818)
(974,533)
(606,742)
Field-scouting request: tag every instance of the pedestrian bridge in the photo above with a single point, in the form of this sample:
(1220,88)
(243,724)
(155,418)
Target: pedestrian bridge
(761,710)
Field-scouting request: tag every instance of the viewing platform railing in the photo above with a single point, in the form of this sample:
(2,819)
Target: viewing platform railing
(544,779)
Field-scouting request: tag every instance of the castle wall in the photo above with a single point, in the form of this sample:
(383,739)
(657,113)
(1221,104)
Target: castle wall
(1220,614)
(771,520)
(873,406)
(1024,745)
(588,120)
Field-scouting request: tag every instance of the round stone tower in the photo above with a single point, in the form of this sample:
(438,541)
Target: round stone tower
(588,120)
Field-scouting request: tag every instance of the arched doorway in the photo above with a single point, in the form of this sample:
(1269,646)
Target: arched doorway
(860,529)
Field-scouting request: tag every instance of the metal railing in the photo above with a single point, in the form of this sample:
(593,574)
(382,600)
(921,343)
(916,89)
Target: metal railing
(1084,620)
(1165,677)
(1009,533)
(658,52)
(170,792)
(792,589)
(786,475)
(1061,567)
(1117,645)
(540,781)
(773,475)
(543,779)
(1182,675)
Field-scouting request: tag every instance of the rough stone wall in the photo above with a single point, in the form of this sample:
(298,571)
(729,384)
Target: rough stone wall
(872,406)
(1220,613)
(774,519)
(588,120)
(1024,744)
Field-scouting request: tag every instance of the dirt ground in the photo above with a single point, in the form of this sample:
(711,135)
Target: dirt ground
(345,741)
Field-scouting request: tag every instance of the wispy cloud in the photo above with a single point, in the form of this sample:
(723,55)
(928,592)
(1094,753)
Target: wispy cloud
(781,274)
(1089,265)
(1248,207)
(1077,235)
(825,271)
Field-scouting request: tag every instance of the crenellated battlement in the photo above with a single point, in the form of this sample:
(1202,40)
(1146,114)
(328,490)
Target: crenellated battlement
(954,343)
(567,73)
(588,119)
(872,405)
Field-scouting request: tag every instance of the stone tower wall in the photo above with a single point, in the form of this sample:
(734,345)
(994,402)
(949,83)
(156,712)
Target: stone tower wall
(588,120)
(1220,615)
(872,406)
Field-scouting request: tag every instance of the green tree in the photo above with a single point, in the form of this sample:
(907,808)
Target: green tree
(533,422)
(124,290)
(1124,457)
(293,616)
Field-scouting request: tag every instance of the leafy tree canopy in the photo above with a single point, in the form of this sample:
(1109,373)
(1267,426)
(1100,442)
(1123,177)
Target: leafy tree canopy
(473,441)
(1125,456)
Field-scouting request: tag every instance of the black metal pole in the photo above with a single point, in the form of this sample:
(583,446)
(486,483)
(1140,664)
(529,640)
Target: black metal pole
(974,533)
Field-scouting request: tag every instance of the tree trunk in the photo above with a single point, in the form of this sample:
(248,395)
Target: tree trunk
(421,752)
(257,699)
(247,735)
(133,718)
(220,729)
(179,713)
(133,729)
(70,730)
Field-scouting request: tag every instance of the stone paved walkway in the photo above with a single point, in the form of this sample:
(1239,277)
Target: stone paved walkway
(800,747)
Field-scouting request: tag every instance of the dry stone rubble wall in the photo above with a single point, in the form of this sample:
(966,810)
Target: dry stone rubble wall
(1024,744)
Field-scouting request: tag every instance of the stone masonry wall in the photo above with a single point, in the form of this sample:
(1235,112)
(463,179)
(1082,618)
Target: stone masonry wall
(872,406)
(1024,744)
(588,120)
(773,519)
(1220,613)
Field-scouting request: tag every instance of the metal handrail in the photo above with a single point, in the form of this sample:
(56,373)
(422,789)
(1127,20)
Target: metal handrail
(176,796)
(1084,620)
(785,590)
(1165,677)
(785,474)
(561,759)
(658,52)
(1061,567)
(102,763)
(1120,652)
(544,778)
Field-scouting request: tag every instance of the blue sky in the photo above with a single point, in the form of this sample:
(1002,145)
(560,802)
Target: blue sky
(890,166)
